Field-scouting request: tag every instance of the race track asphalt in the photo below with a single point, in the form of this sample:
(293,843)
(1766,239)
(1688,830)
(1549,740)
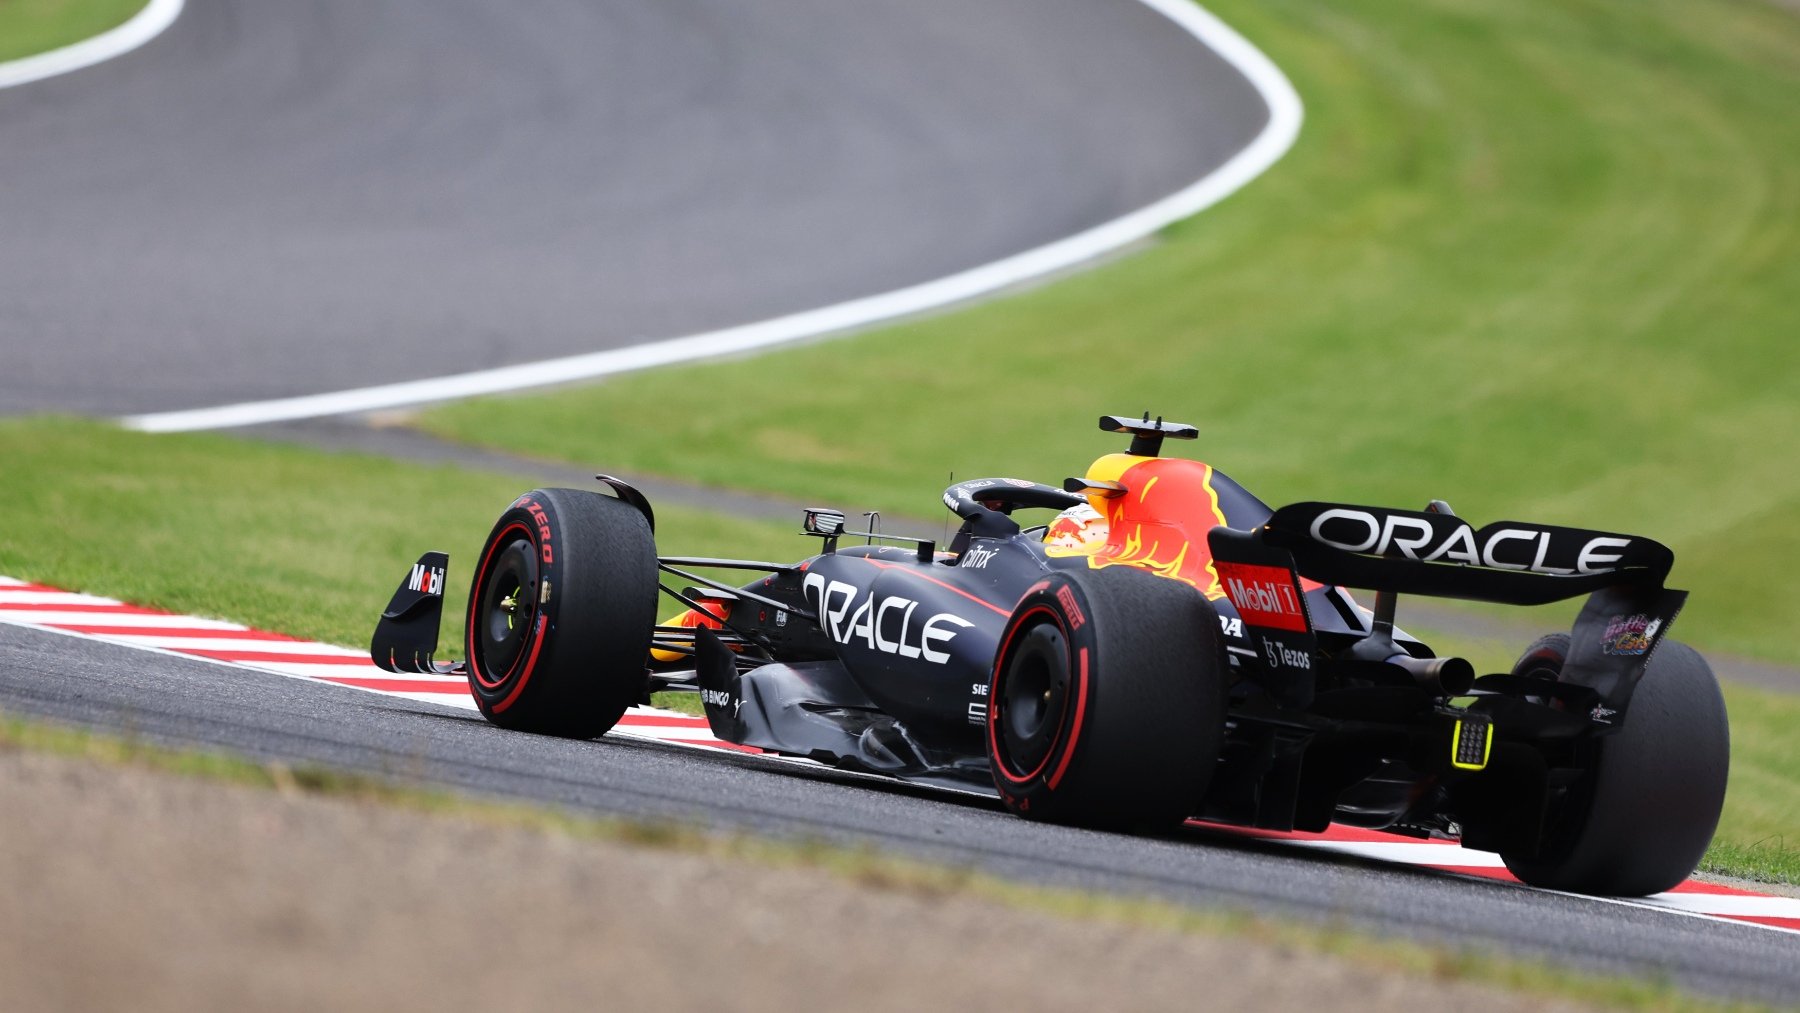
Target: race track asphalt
(183,701)
(277,198)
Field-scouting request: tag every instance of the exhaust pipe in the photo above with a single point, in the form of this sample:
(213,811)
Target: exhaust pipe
(1442,676)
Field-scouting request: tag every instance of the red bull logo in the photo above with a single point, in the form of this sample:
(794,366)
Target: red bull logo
(1158,511)
(1079,530)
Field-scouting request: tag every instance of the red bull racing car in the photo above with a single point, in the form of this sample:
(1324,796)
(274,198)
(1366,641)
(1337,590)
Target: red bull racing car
(1168,648)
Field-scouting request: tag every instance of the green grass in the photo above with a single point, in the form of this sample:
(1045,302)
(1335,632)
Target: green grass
(281,538)
(33,26)
(21,734)
(869,869)
(1759,834)
(312,544)
(1538,258)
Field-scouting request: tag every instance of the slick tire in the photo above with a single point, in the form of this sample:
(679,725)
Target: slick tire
(561,613)
(1106,703)
(1543,660)
(1643,813)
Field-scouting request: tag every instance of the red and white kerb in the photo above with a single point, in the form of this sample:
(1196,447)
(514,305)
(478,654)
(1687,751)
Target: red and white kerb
(46,608)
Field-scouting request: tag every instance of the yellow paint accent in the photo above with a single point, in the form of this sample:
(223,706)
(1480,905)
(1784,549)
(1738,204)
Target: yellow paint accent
(1217,590)
(686,617)
(1487,748)
(1107,468)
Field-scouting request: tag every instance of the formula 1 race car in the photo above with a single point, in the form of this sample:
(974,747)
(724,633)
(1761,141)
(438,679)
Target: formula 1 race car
(1170,648)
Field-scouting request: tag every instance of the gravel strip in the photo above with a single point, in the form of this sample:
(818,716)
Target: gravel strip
(129,889)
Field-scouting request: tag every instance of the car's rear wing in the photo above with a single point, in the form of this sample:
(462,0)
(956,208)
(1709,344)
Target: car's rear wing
(1438,554)
(1435,553)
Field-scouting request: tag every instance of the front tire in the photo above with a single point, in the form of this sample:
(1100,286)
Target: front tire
(561,614)
(1106,705)
(1646,808)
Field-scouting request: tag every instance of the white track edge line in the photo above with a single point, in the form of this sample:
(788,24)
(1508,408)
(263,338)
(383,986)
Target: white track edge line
(1649,905)
(165,652)
(1277,136)
(146,24)
(225,645)
(149,622)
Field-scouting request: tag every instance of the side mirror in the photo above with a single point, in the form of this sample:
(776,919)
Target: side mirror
(823,521)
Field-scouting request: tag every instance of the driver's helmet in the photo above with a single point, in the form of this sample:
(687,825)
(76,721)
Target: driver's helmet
(1077,531)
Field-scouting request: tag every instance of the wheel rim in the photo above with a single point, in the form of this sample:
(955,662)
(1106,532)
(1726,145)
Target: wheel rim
(508,608)
(1034,696)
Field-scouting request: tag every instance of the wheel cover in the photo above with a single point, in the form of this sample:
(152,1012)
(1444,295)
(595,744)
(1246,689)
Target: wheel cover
(508,608)
(1034,697)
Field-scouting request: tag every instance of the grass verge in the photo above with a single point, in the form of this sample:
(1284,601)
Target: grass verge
(35,26)
(282,538)
(1759,833)
(868,869)
(311,544)
(1536,258)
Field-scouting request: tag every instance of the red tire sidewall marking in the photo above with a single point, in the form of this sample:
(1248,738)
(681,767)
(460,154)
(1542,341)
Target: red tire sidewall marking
(1068,753)
(1078,666)
(472,630)
(537,643)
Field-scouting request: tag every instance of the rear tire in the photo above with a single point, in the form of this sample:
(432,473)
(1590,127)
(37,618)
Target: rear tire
(561,614)
(1642,816)
(1543,660)
(1106,705)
